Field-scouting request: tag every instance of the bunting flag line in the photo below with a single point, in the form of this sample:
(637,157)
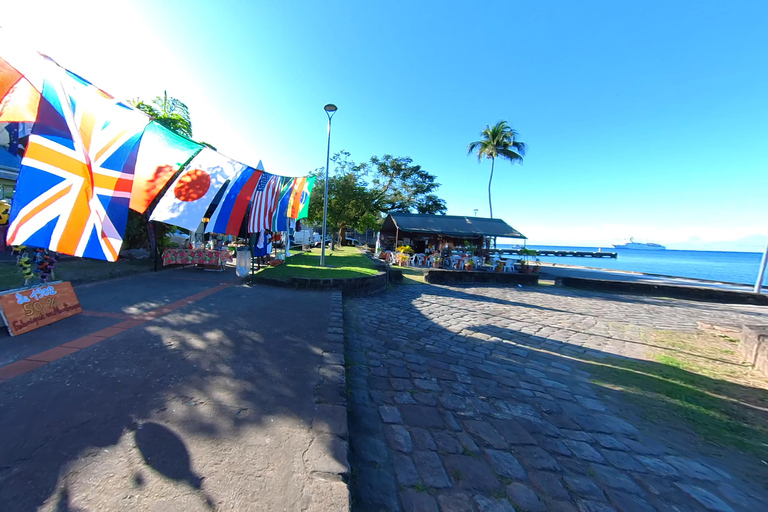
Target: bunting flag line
(228,216)
(162,154)
(280,217)
(188,198)
(306,194)
(264,203)
(76,176)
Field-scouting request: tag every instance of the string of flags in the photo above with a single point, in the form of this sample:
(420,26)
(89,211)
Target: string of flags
(90,158)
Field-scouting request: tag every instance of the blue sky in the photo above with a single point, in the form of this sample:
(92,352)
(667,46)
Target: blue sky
(644,119)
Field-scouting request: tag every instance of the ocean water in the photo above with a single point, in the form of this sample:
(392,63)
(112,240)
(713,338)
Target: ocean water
(729,267)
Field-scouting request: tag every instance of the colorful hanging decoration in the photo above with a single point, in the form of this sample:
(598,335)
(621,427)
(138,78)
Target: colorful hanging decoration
(162,154)
(75,180)
(306,194)
(229,214)
(280,217)
(188,198)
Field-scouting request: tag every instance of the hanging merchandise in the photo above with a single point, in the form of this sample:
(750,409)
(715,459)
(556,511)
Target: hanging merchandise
(162,154)
(188,198)
(76,175)
(264,203)
(229,214)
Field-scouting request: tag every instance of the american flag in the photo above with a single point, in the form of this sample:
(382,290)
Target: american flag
(264,203)
(76,176)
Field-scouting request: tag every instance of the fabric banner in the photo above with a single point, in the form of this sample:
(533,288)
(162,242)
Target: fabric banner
(188,198)
(18,98)
(305,196)
(76,176)
(294,201)
(229,214)
(280,217)
(264,203)
(162,154)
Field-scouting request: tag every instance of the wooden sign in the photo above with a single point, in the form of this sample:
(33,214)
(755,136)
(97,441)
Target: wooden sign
(27,309)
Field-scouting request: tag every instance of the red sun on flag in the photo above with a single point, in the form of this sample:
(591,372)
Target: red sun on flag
(192,185)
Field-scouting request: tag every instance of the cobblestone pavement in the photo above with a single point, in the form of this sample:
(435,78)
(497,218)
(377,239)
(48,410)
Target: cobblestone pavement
(462,399)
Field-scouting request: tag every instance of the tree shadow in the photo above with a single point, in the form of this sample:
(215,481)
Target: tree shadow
(207,386)
(488,371)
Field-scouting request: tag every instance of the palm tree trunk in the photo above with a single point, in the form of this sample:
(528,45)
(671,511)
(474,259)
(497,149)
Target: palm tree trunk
(490,205)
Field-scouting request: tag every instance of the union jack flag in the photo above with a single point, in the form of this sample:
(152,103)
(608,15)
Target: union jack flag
(75,181)
(264,203)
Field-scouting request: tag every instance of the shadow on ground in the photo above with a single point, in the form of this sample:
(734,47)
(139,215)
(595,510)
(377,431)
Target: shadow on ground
(199,398)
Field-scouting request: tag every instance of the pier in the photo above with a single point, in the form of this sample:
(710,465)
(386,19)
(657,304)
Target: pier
(564,254)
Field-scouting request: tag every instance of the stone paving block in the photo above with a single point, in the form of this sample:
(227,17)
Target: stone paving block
(467,443)
(421,416)
(691,468)
(415,501)
(583,486)
(371,449)
(523,498)
(427,385)
(535,457)
(594,506)
(505,464)
(376,490)
(431,469)
(513,432)
(450,421)
(455,502)
(445,442)
(615,479)
(398,438)
(492,505)
(330,419)
(425,398)
(625,502)
(390,414)
(471,473)
(554,446)
(624,460)
(548,484)
(485,433)
(609,441)
(705,498)
(560,506)
(405,470)
(328,454)
(422,439)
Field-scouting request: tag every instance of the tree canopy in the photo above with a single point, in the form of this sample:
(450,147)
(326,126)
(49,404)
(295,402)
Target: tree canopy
(169,112)
(497,141)
(358,194)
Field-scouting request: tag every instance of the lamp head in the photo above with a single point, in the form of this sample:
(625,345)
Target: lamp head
(330,108)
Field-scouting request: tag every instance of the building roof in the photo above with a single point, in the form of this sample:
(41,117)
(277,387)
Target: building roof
(449,225)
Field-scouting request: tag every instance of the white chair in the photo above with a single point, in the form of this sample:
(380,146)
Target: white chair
(429,262)
(478,261)
(509,266)
(457,262)
(418,260)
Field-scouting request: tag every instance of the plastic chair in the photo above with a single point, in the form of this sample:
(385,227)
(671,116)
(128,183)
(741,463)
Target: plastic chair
(478,261)
(509,266)
(418,260)
(429,262)
(457,262)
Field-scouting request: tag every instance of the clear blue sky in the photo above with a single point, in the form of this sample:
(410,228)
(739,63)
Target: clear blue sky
(645,119)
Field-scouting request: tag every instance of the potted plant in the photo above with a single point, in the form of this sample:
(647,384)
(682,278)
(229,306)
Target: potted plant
(530,263)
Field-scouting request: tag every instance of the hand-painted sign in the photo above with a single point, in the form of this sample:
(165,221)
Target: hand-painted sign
(28,309)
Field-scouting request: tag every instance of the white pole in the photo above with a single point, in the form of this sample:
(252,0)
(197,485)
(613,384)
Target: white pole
(761,274)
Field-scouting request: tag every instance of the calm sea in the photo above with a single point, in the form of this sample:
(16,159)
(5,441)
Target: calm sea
(731,267)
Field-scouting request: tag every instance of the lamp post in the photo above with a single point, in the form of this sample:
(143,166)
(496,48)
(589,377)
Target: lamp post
(761,272)
(330,109)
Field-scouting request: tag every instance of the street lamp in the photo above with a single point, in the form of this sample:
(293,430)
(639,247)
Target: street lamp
(330,109)
(475,212)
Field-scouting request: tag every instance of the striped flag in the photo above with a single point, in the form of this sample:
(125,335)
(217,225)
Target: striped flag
(264,203)
(228,216)
(280,217)
(294,202)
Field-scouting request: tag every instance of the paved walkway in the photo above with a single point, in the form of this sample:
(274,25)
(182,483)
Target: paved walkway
(181,390)
(461,399)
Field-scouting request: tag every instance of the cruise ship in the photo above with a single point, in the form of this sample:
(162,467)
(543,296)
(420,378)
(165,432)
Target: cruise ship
(631,244)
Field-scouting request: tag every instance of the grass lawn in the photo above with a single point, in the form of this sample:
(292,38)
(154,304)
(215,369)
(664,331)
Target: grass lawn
(77,270)
(698,380)
(341,262)
(413,275)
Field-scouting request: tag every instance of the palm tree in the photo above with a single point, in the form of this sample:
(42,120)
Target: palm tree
(498,141)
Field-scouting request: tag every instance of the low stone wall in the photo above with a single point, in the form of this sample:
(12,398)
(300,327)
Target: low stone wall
(722,296)
(440,276)
(352,286)
(754,346)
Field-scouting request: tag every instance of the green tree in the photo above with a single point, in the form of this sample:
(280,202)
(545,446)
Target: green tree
(497,141)
(358,194)
(169,112)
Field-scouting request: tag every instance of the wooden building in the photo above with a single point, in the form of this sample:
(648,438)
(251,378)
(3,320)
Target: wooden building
(433,232)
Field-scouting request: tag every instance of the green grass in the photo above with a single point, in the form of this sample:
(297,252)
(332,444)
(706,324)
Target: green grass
(412,275)
(680,389)
(342,262)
